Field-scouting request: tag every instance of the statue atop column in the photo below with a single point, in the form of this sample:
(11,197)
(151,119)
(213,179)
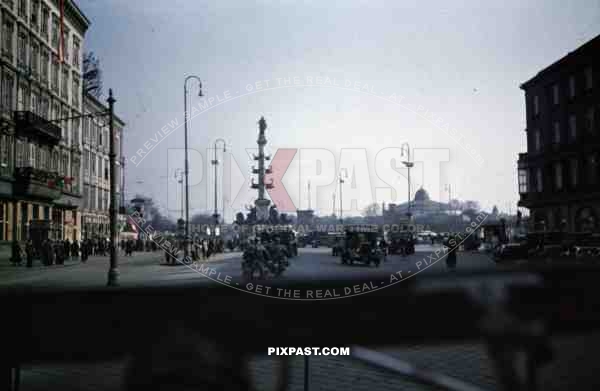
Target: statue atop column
(261,203)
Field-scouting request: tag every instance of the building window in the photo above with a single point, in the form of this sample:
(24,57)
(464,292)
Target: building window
(44,21)
(556,132)
(55,159)
(522,181)
(558,179)
(23,9)
(76,49)
(588,78)
(65,84)
(31,155)
(43,159)
(86,130)
(589,119)
(38,157)
(7,91)
(49,159)
(86,164)
(22,51)
(65,165)
(572,86)
(65,125)
(65,43)
(592,170)
(22,101)
(538,180)
(34,18)
(55,73)
(537,140)
(75,175)
(75,92)
(55,27)
(4,148)
(44,59)
(20,159)
(555,96)
(44,107)
(76,130)
(572,126)
(55,111)
(8,29)
(35,103)
(536,105)
(34,59)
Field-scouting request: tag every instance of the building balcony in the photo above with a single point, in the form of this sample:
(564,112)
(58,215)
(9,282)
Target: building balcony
(32,125)
(37,183)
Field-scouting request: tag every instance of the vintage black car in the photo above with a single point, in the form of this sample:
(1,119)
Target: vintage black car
(362,247)
(402,243)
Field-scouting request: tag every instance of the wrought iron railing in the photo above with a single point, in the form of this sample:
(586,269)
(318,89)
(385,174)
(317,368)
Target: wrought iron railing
(32,124)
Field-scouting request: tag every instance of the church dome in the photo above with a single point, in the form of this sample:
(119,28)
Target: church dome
(421,195)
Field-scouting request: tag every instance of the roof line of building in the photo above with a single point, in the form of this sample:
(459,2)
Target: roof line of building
(99,103)
(70,5)
(561,61)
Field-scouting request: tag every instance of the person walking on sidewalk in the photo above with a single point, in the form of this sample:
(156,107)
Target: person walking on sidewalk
(17,253)
(67,249)
(452,245)
(75,249)
(29,253)
(50,252)
(84,250)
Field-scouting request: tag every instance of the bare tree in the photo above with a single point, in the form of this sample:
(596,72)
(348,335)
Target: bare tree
(92,75)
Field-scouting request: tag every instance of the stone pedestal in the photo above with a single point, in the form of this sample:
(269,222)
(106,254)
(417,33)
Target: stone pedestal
(262,209)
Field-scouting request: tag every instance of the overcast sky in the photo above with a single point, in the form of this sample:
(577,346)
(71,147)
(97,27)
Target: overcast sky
(461,64)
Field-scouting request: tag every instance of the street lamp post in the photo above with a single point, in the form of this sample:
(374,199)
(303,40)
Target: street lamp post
(113,272)
(405,151)
(342,182)
(215,162)
(450,208)
(187,189)
(179,177)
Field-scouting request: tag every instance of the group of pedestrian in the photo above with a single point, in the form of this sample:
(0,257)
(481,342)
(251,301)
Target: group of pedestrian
(50,252)
(201,249)
(206,248)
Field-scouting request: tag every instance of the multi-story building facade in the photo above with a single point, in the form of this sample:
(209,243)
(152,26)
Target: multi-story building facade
(40,93)
(96,168)
(559,176)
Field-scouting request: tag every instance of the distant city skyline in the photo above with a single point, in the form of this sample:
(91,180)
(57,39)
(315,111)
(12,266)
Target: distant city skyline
(463,65)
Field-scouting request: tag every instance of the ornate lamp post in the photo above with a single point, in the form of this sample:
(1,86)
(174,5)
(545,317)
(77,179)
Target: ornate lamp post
(113,272)
(215,162)
(345,176)
(187,189)
(405,152)
(448,188)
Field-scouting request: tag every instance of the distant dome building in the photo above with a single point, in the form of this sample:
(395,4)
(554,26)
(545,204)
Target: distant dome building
(421,195)
(419,206)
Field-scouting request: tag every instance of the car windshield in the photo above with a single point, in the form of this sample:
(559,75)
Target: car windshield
(307,158)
